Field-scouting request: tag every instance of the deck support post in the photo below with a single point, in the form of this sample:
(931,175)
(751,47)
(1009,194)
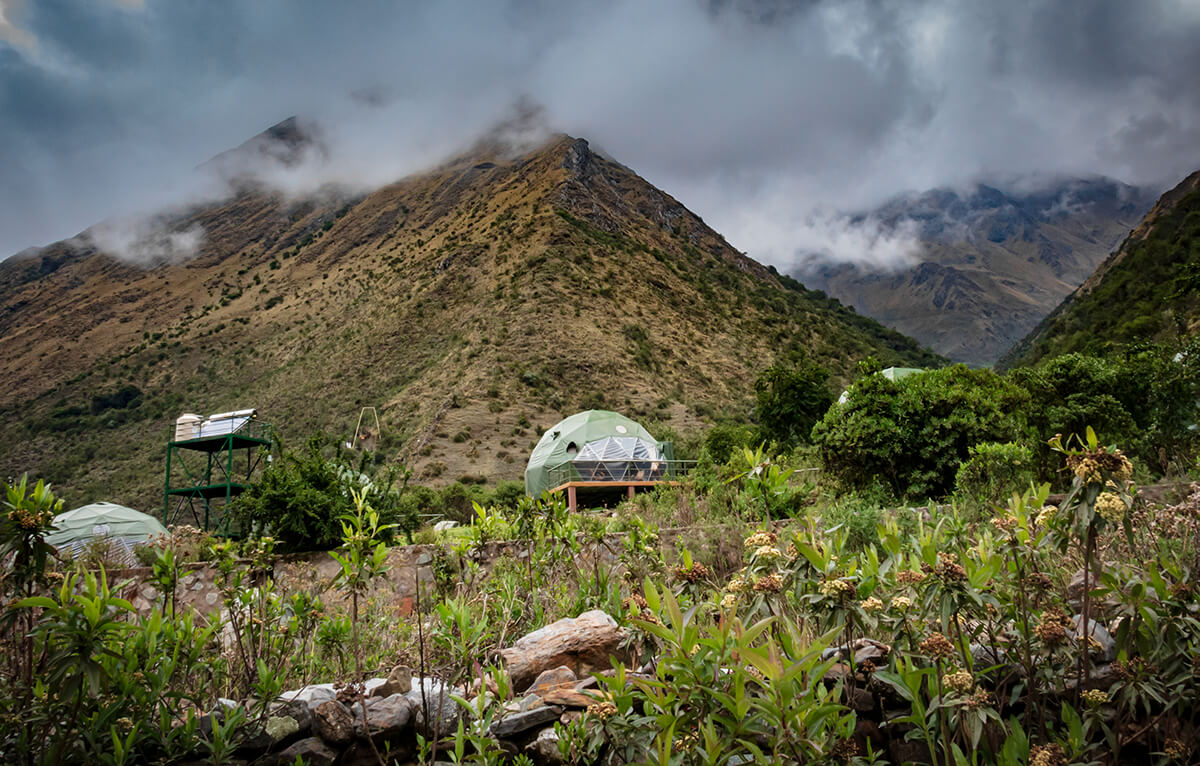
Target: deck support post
(572,502)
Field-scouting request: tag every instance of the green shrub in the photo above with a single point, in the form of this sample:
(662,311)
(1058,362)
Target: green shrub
(912,434)
(790,399)
(721,441)
(994,471)
(858,518)
(1143,397)
(300,498)
(507,494)
(455,501)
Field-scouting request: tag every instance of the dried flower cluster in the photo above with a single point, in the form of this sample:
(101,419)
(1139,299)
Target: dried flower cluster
(30,520)
(1045,515)
(871,604)
(909,577)
(768,553)
(835,588)
(1047,755)
(694,574)
(1094,697)
(1176,749)
(1111,507)
(602,710)
(772,583)
(937,646)
(1051,630)
(948,570)
(739,583)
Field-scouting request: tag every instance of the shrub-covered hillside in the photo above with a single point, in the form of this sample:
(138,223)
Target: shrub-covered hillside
(1148,290)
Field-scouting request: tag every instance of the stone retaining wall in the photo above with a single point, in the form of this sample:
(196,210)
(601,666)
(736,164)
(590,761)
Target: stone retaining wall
(313,572)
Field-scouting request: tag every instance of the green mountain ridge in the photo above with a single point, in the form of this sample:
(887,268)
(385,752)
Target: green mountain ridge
(1147,289)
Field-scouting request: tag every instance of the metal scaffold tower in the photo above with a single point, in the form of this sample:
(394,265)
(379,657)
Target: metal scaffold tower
(210,461)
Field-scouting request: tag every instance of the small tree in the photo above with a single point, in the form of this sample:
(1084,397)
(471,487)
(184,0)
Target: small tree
(362,558)
(26,520)
(791,399)
(914,433)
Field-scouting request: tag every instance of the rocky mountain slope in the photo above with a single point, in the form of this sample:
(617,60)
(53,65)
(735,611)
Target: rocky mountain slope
(992,263)
(1148,289)
(471,304)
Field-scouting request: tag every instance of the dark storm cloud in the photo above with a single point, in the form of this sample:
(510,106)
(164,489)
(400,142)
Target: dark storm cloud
(770,119)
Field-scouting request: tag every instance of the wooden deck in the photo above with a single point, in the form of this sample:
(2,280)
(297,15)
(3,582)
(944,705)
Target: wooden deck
(572,488)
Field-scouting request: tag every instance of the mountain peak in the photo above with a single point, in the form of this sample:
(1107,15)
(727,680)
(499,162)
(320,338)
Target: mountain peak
(1006,254)
(498,291)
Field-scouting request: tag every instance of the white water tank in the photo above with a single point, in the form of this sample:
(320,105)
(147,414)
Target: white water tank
(187,426)
(222,423)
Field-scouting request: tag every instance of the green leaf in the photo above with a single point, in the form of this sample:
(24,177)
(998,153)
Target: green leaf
(651,593)
(41,601)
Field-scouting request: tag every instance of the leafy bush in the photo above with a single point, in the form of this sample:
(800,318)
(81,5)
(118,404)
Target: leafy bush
(994,471)
(1143,397)
(124,398)
(722,441)
(790,399)
(301,497)
(858,517)
(912,434)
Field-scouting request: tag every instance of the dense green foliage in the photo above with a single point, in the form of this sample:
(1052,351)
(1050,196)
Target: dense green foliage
(722,440)
(1144,397)
(912,435)
(993,471)
(790,399)
(1152,293)
(972,655)
(301,498)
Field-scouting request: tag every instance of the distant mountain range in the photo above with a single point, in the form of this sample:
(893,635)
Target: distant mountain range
(1148,289)
(472,304)
(991,265)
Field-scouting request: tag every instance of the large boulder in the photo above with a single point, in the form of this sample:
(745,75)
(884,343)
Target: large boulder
(389,716)
(583,645)
(311,695)
(516,723)
(553,679)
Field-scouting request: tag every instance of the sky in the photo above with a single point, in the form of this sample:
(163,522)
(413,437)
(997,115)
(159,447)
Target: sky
(772,120)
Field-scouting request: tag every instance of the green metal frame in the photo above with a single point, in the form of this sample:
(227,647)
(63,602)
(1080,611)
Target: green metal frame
(194,486)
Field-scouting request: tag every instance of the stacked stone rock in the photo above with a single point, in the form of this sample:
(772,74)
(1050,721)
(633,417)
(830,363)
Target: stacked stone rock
(546,667)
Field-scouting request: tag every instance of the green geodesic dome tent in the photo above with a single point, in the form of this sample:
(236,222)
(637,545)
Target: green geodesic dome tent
(124,527)
(600,444)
